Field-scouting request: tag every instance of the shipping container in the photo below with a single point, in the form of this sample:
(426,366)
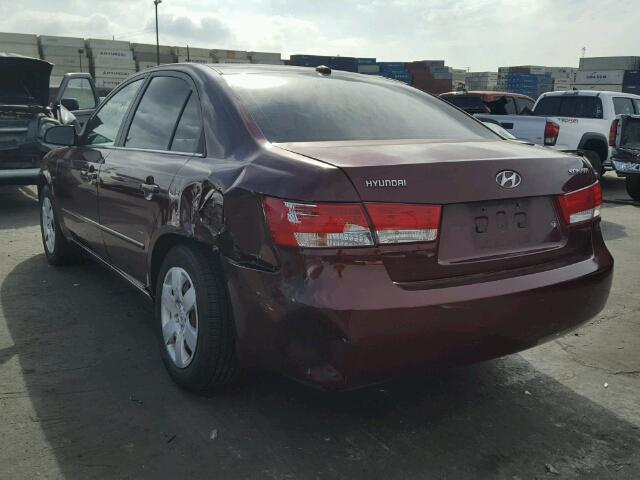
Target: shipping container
(46,40)
(61,51)
(598,86)
(107,72)
(144,65)
(233,60)
(72,61)
(607,77)
(151,57)
(194,59)
(631,78)
(191,52)
(98,43)
(20,49)
(150,48)
(369,69)
(107,83)
(22,38)
(610,63)
(61,70)
(635,89)
(110,57)
(263,57)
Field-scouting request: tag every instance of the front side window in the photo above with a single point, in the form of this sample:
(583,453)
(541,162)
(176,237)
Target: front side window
(155,119)
(103,127)
(291,107)
(623,106)
(79,89)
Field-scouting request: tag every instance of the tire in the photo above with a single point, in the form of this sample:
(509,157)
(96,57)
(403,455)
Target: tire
(594,160)
(58,250)
(633,186)
(181,314)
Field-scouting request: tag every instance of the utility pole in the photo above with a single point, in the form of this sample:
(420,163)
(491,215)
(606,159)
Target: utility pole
(156,3)
(80,53)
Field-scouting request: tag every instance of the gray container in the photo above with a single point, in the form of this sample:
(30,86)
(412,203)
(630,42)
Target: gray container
(98,43)
(192,52)
(59,51)
(610,63)
(369,69)
(111,57)
(262,57)
(107,83)
(23,38)
(605,77)
(194,59)
(46,40)
(20,49)
(72,61)
(116,73)
(60,70)
(149,48)
(151,57)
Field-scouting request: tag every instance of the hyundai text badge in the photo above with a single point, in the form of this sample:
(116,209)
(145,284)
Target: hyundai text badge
(396,183)
(508,179)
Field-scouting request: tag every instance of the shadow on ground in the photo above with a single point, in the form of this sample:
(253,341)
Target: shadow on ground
(20,203)
(90,362)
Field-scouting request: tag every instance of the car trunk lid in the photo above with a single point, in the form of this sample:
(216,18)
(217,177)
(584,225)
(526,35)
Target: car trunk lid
(485,226)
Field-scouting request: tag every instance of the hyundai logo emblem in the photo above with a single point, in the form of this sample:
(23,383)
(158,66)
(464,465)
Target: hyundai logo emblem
(508,179)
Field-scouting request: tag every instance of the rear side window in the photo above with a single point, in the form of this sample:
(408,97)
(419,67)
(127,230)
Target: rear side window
(569,106)
(103,127)
(188,131)
(502,106)
(155,119)
(292,107)
(636,103)
(623,106)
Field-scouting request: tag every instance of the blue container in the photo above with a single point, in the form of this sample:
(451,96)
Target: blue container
(309,60)
(631,78)
(366,61)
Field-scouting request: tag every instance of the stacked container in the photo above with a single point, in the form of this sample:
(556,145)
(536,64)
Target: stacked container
(67,54)
(111,61)
(609,80)
(144,55)
(431,76)
(395,70)
(230,56)
(531,80)
(459,77)
(192,55)
(309,60)
(20,44)
(631,82)
(265,58)
(481,80)
(607,73)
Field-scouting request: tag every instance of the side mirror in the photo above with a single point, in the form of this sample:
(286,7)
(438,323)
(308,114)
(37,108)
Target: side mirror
(70,104)
(64,135)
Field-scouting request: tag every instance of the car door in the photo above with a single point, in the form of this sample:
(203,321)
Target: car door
(77,172)
(77,94)
(164,130)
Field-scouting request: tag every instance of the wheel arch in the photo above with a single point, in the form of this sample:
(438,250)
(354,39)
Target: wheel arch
(598,144)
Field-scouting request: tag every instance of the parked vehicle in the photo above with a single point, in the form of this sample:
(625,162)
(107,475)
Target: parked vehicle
(26,113)
(573,120)
(625,143)
(495,103)
(339,228)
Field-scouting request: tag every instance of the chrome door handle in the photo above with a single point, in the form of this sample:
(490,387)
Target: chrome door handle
(149,189)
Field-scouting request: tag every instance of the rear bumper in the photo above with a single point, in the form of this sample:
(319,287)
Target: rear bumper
(346,325)
(19,176)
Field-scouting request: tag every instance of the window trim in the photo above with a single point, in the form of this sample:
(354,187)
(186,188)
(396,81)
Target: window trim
(122,135)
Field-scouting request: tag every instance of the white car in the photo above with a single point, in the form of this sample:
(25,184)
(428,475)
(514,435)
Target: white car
(573,120)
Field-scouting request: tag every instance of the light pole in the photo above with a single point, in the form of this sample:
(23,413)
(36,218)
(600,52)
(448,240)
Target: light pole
(156,3)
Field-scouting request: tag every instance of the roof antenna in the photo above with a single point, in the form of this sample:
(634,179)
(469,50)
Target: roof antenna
(323,69)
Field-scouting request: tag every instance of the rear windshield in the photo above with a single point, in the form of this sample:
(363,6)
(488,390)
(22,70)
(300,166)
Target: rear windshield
(467,103)
(569,106)
(312,108)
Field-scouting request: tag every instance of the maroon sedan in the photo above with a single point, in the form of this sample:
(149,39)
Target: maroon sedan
(338,228)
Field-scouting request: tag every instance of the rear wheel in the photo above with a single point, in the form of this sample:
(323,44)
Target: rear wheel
(633,186)
(58,250)
(193,320)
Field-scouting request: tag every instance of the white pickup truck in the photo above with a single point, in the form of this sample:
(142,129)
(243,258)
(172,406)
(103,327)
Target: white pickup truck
(572,120)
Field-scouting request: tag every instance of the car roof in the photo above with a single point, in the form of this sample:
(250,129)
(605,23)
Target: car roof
(477,93)
(590,93)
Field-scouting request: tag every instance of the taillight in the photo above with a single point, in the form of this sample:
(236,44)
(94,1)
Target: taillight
(401,223)
(551,132)
(613,133)
(340,225)
(315,225)
(581,205)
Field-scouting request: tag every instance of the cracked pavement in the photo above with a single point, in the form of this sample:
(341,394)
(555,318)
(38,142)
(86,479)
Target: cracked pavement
(83,393)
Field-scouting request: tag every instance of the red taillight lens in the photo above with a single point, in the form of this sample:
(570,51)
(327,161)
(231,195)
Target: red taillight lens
(400,223)
(551,132)
(613,133)
(317,225)
(339,225)
(582,205)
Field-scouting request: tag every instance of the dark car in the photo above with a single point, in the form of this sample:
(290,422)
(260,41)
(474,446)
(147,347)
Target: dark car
(26,113)
(495,103)
(624,138)
(338,228)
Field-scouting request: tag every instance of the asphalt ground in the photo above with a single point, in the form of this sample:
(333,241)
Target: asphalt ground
(84,395)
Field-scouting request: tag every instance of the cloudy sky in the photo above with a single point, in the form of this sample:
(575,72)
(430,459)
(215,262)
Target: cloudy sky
(479,34)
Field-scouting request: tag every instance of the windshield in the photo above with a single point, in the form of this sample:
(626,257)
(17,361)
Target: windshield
(314,108)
